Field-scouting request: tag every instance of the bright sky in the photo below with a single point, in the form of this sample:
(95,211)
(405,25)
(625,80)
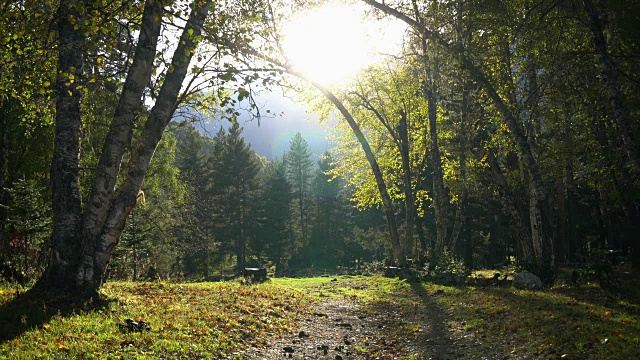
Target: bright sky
(330,44)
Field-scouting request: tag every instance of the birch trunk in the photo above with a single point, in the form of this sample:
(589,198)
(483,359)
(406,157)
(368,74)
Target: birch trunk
(66,200)
(118,139)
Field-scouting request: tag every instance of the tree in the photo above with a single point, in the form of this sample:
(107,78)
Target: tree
(83,241)
(299,167)
(274,215)
(233,189)
(539,203)
(332,214)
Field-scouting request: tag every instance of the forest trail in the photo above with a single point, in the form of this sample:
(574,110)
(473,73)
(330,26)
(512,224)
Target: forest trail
(342,327)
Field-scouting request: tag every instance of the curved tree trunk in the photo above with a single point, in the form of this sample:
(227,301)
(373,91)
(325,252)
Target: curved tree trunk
(387,205)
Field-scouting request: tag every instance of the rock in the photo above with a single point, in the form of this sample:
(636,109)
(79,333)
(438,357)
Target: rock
(303,334)
(527,280)
(324,348)
(288,349)
(131,325)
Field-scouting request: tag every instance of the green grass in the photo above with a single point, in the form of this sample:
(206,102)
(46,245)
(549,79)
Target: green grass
(207,320)
(215,320)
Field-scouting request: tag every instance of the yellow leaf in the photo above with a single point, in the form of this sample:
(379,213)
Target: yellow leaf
(46,84)
(70,93)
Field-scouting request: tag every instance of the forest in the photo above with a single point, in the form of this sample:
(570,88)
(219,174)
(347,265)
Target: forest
(497,134)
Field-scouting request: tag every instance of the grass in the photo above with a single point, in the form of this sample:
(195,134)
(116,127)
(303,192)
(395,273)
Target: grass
(216,320)
(574,323)
(207,320)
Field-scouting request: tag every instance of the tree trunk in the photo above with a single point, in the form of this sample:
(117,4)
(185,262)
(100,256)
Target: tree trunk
(439,196)
(161,114)
(65,187)
(5,110)
(609,72)
(118,139)
(430,74)
(610,76)
(462,199)
(409,203)
(523,236)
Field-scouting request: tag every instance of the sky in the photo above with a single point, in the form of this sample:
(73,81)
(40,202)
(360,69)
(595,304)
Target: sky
(271,137)
(330,45)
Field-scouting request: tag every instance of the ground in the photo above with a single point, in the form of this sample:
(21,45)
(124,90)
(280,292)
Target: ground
(323,318)
(341,327)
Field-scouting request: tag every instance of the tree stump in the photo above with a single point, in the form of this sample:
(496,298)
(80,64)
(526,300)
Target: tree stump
(255,274)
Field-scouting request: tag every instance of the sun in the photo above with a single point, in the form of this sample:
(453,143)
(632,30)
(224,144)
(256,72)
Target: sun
(330,44)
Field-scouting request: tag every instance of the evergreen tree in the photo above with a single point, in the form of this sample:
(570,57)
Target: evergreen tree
(299,167)
(234,188)
(274,217)
(331,217)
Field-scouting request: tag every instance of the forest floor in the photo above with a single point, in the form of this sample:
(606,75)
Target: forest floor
(324,318)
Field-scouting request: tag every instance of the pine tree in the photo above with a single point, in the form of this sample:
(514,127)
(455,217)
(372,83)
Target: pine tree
(331,217)
(299,173)
(274,217)
(234,190)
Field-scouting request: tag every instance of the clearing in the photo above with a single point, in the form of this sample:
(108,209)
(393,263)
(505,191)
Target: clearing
(323,318)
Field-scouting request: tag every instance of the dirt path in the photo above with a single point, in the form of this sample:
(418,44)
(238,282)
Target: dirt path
(342,328)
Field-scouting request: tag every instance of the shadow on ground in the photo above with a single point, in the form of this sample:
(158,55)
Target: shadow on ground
(32,309)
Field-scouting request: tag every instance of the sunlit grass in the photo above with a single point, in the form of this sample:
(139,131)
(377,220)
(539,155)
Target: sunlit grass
(209,320)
